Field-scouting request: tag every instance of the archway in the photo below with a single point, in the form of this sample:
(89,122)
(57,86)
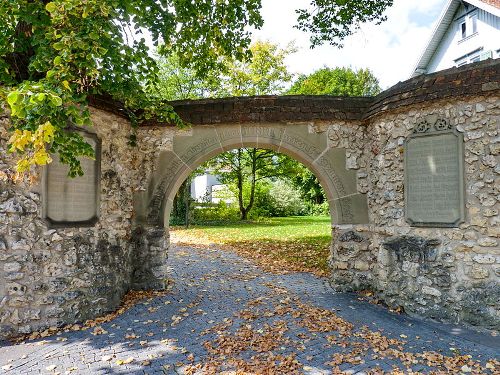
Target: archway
(192,148)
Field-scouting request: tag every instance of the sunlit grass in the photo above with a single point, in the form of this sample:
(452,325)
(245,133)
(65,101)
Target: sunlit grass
(299,243)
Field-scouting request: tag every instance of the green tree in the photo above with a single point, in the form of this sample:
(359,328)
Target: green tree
(177,82)
(337,81)
(334,20)
(53,54)
(263,73)
(250,166)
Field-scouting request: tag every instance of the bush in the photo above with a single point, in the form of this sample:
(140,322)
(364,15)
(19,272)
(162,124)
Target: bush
(321,209)
(285,200)
(214,213)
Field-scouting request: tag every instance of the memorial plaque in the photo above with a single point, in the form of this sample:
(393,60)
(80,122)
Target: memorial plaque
(72,201)
(434,180)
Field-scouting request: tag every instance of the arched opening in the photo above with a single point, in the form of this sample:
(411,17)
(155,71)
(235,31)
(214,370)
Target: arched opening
(258,203)
(189,149)
(187,170)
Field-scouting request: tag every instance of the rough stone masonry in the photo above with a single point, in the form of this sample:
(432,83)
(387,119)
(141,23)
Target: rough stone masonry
(51,275)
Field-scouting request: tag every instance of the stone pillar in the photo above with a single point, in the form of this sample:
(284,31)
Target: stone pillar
(150,257)
(352,260)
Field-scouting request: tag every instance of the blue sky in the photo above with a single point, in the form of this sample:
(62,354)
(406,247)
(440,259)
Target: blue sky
(390,50)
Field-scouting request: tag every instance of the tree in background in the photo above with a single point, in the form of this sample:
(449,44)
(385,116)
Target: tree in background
(336,81)
(177,82)
(247,167)
(53,54)
(263,73)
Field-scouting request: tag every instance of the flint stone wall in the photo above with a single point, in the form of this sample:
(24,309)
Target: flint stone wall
(50,277)
(444,273)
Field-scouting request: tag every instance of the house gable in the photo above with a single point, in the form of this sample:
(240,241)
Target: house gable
(467,31)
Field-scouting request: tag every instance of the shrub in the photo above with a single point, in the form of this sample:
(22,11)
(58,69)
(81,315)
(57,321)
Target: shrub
(208,213)
(285,200)
(321,209)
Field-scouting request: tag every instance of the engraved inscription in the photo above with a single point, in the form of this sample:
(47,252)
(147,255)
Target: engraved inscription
(231,133)
(170,170)
(72,200)
(347,216)
(326,166)
(301,145)
(262,132)
(194,151)
(434,181)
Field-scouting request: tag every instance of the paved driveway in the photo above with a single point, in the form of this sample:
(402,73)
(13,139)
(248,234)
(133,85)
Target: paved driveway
(224,313)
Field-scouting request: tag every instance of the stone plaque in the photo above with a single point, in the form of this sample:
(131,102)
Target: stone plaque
(434,180)
(72,201)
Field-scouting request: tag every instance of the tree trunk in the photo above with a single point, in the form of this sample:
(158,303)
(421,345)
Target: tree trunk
(187,200)
(253,182)
(240,187)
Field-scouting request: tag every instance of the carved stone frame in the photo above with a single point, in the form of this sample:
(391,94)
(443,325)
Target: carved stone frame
(432,132)
(74,224)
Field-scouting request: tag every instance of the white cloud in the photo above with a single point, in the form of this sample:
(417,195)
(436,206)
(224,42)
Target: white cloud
(390,50)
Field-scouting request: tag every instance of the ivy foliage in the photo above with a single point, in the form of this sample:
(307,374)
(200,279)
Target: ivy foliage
(54,54)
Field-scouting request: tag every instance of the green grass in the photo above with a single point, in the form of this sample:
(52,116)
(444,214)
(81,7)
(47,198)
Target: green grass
(298,243)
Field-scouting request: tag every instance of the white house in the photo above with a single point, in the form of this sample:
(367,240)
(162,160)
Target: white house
(467,31)
(201,187)
(207,188)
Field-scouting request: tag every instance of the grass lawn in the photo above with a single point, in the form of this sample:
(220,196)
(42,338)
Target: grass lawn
(298,243)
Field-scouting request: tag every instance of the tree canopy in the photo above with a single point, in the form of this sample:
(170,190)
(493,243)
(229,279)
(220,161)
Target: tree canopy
(337,81)
(249,166)
(54,54)
(264,73)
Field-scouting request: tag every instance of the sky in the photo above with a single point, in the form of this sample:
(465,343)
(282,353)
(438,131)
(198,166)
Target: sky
(389,50)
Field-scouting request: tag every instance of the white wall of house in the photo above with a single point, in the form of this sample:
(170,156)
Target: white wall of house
(474,35)
(201,187)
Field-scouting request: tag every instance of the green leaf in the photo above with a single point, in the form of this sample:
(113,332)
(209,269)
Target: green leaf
(58,46)
(13,97)
(51,7)
(56,100)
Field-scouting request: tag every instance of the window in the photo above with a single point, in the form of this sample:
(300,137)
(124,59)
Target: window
(471,57)
(473,19)
(467,25)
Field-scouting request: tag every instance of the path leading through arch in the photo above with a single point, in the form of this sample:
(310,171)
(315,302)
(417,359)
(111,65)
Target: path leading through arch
(224,312)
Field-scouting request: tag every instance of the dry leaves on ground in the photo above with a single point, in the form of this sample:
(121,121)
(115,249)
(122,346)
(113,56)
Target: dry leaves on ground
(129,300)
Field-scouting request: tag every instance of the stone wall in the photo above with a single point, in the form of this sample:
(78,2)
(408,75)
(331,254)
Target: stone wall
(447,273)
(49,277)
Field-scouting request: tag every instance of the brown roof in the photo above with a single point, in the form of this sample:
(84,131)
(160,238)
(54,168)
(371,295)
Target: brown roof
(495,3)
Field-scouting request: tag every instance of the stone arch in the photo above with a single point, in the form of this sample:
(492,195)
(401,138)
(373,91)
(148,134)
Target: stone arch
(190,149)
